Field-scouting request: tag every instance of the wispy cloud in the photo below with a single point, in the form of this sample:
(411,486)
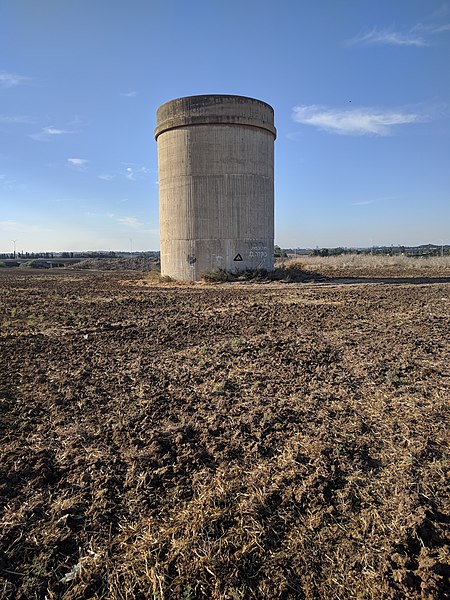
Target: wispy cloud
(430,28)
(8,225)
(372,201)
(13,119)
(363,203)
(9,80)
(18,227)
(130,222)
(132,94)
(78,163)
(11,185)
(55,131)
(134,172)
(355,121)
(293,135)
(418,35)
(442,11)
(48,133)
(389,37)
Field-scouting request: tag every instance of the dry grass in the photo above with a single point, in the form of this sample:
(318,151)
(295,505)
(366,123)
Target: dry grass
(364,262)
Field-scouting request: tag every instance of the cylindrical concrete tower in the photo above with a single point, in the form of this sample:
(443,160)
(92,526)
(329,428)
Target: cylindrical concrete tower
(215,173)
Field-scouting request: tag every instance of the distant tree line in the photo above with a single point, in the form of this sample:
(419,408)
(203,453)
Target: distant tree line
(27,255)
(90,254)
(333,251)
(109,254)
(426,250)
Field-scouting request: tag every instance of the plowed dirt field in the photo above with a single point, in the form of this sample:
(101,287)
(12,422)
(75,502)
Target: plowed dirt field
(223,441)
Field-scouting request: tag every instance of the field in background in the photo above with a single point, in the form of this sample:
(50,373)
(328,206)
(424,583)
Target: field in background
(363,263)
(225,441)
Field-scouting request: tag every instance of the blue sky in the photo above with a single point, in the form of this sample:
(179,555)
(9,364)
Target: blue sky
(360,89)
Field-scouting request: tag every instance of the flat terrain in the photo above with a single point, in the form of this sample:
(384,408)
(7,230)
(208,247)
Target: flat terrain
(226,441)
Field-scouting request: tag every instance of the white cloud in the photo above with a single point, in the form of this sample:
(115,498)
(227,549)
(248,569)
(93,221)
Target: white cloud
(431,29)
(135,172)
(389,37)
(47,133)
(17,227)
(355,121)
(132,222)
(78,163)
(363,203)
(419,35)
(11,185)
(293,135)
(41,136)
(54,131)
(373,200)
(7,119)
(132,172)
(8,225)
(132,94)
(8,80)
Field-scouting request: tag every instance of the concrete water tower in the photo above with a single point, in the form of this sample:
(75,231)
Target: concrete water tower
(215,174)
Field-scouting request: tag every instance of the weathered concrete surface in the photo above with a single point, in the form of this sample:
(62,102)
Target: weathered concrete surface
(215,171)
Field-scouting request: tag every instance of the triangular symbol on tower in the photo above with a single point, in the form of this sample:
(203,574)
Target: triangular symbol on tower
(238,258)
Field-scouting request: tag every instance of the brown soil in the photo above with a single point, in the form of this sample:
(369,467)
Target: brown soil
(223,441)
(118,264)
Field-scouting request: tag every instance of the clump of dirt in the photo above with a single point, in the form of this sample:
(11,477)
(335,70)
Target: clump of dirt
(223,441)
